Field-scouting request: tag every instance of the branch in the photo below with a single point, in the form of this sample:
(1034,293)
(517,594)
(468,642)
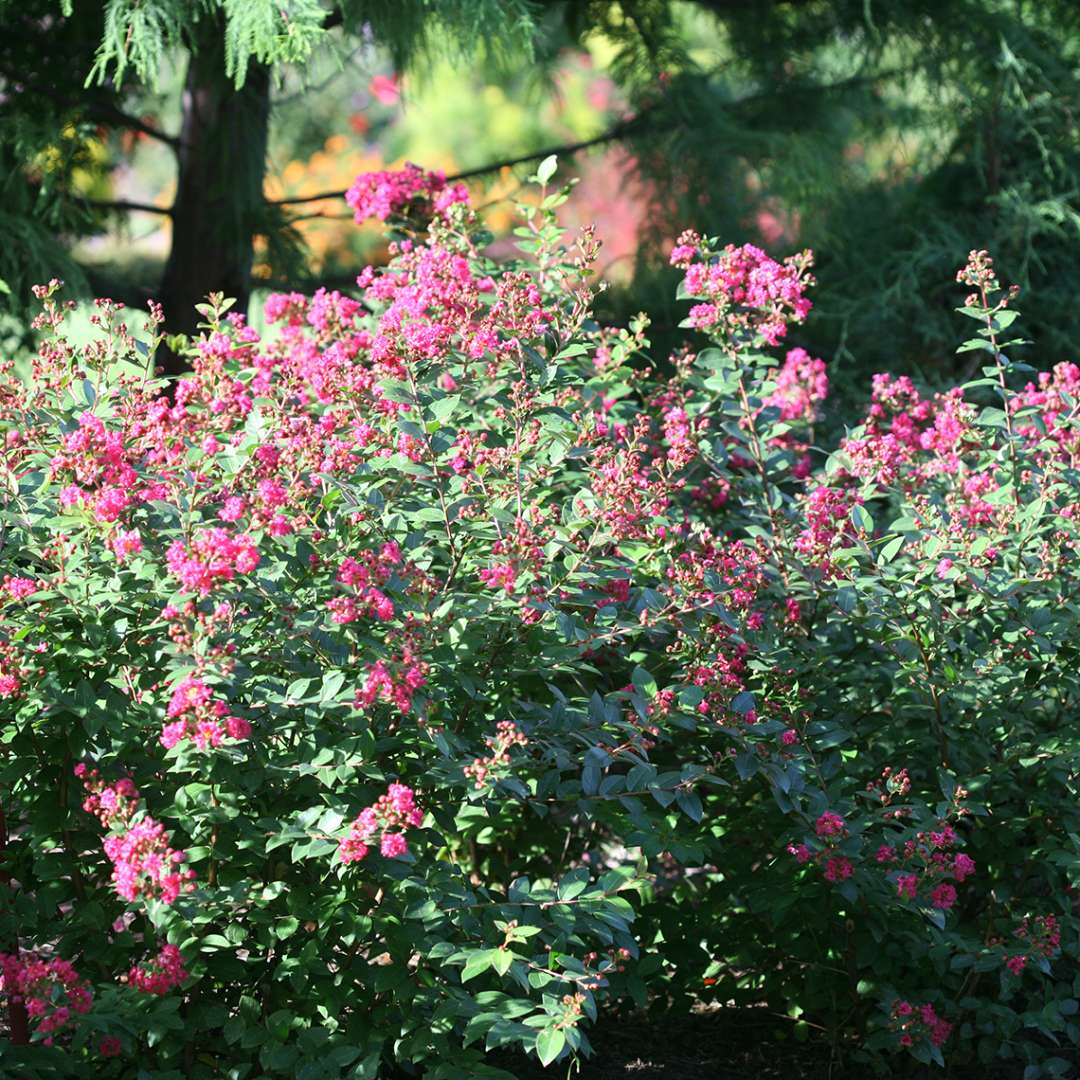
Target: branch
(124,206)
(619,131)
(319,214)
(104,111)
(124,119)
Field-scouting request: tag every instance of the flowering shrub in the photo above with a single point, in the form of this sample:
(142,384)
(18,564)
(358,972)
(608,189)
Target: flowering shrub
(384,195)
(48,991)
(434,672)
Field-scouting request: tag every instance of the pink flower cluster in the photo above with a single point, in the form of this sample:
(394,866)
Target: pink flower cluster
(925,862)
(392,192)
(10,684)
(19,588)
(499,576)
(110,1047)
(1041,937)
(743,289)
(366,575)
(828,512)
(929,861)
(432,303)
(517,550)
(915,1023)
(51,991)
(829,824)
(196,714)
(125,543)
(507,735)
(214,555)
(109,803)
(391,817)
(831,828)
(159,974)
(907,438)
(679,432)
(144,865)
(393,682)
(98,460)
(1050,396)
(801,386)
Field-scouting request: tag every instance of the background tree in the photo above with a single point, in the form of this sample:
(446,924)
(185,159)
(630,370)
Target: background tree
(891,137)
(113,50)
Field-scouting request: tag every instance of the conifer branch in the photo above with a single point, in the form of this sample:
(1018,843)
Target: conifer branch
(106,112)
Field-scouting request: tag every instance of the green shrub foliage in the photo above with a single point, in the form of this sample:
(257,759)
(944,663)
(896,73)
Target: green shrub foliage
(430,673)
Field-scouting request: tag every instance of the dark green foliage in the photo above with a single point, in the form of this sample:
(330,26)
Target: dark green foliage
(891,137)
(901,135)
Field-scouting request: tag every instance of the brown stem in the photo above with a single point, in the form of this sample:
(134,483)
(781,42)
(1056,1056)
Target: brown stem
(775,527)
(434,462)
(125,206)
(935,697)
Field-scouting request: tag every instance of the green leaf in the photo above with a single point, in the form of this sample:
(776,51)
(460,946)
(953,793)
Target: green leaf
(689,803)
(478,962)
(549,1044)
(570,887)
(444,407)
(991,417)
(889,551)
(644,682)
(286,927)
(332,683)
(297,689)
(341,1056)
(546,169)
(861,519)
(743,703)
(574,349)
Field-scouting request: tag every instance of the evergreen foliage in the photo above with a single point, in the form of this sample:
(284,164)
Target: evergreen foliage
(891,137)
(901,134)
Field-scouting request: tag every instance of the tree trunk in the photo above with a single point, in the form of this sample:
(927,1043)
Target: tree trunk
(219,194)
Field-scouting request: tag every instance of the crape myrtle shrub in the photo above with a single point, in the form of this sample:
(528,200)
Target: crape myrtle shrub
(428,674)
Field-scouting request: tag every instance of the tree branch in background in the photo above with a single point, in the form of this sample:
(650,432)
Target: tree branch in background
(125,206)
(106,112)
(133,123)
(316,214)
(619,131)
